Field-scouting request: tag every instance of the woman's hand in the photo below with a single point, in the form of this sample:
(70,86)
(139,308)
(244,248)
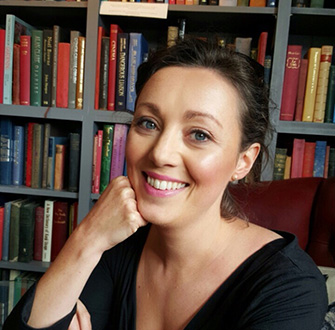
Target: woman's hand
(114,217)
(82,319)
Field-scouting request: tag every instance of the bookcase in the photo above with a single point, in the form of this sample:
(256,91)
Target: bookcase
(283,24)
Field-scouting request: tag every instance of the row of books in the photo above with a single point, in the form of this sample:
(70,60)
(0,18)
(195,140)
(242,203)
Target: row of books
(118,56)
(313,3)
(306,159)
(108,155)
(309,85)
(35,230)
(41,67)
(32,156)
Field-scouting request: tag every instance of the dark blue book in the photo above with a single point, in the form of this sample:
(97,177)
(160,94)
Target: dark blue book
(319,158)
(6,151)
(18,155)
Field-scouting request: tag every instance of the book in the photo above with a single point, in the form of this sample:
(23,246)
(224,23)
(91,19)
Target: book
(243,3)
(80,72)
(25,64)
(317,3)
(267,70)
(2,220)
(6,151)
(287,172)
(279,163)
(243,45)
(53,141)
(325,171)
(262,44)
(15,27)
(330,101)
(37,156)
(47,130)
(28,152)
(38,233)
(74,37)
(101,33)
(59,181)
(308,163)
(26,232)
(6,230)
(172,35)
(118,150)
(2,61)
(114,30)
(319,158)
(331,163)
(122,71)
(36,67)
(12,276)
(314,54)
(74,161)
(138,51)
(47,67)
(18,155)
(322,84)
(257,3)
(297,158)
(230,3)
(73,217)
(104,68)
(301,89)
(63,75)
(106,156)
(16,75)
(47,229)
(59,227)
(97,163)
(94,160)
(291,79)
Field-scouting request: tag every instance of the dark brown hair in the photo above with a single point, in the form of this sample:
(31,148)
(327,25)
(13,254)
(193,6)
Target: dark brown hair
(245,74)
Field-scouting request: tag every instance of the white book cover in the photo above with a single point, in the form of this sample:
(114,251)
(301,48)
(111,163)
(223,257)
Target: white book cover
(47,230)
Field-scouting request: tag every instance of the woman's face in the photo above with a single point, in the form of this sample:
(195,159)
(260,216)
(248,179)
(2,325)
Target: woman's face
(183,146)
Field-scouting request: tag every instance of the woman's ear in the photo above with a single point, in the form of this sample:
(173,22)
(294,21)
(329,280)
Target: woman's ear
(246,160)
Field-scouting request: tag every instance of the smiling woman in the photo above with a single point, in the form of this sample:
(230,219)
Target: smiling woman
(200,122)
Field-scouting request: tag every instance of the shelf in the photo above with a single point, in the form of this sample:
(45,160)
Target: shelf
(22,190)
(33,266)
(43,4)
(313,11)
(299,127)
(113,116)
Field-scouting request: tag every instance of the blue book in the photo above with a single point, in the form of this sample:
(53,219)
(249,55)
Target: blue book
(18,155)
(53,140)
(138,50)
(6,151)
(319,158)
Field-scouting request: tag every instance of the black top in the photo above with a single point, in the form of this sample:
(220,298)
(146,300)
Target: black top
(278,287)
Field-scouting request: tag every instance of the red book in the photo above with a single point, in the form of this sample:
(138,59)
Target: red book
(325,172)
(262,42)
(118,151)
(114,30)
(301,89)
(297,158)
(25,57)
(2,61)
(101,33)
(2,217)
(16,75)
(63,75)
(59,227)
(29,151)
(38,233)
(308,164)
(291,79)
(96,187)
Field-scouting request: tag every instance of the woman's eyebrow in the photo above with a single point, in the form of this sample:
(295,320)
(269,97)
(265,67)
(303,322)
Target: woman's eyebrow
(190,114)
(152,107)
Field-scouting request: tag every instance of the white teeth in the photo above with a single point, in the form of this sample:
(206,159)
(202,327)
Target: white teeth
(164,185)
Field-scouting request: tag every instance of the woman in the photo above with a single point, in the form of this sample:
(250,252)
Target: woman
(200,122)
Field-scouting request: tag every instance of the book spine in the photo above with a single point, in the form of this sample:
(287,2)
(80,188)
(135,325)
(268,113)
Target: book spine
(63,74)
(25,60)
(74,36)
(98,163)
(56,31)
(14,231)
(6,229)
(257,3)
(113,51)
(16,75)
(2,220)
(325,172)
(47,129)
(297,158)
(29,153)
(38,233)
(279,163)
(47,230)
(262,44)
(330,101)
(301,89)
(6,151)
(74,160)
(118,151)
(311,83)
(101,33)
(121,71)
(18,155)
(80,72)
(319,158)
(94,160)
(37,156)
(322,85)
(47,68)
(107,145)
(103,92)
(59,166)
(291,79)
(2,61)
(308,163)
(36,67)
(331,163)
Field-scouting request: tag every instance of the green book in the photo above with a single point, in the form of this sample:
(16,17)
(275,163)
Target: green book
(331,163)
(26,231)
(106,157)
(330,101)
(37,157)
(74,159)
(317,3)
(279,164)
(36,67)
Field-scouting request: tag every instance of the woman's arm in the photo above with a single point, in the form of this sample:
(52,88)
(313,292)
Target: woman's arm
(112,219)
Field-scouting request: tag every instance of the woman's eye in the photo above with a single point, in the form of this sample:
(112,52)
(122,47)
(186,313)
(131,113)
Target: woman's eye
(147,124)
(200,136)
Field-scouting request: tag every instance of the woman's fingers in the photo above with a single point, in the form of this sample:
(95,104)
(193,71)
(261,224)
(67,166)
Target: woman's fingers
(82,318)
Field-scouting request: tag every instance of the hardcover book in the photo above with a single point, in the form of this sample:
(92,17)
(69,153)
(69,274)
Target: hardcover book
(63,75)
(38,233)
(97,168)
(331,163)
(36,67)
(308,163)
(118,150)
(59,181)
(74,161)
(74,37)
(16,75)
(47,67)
(101,33)
(301,90)
(6,151)
(80,72)
(18,155)
(6,229)
(297,158)
(262,44)
(47,130)
(29,153)
(104,67)
(25,64)
(106,157)
(37,156)
(2,61)
(319,159)
(330,101)
(279,163)
(47,229)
